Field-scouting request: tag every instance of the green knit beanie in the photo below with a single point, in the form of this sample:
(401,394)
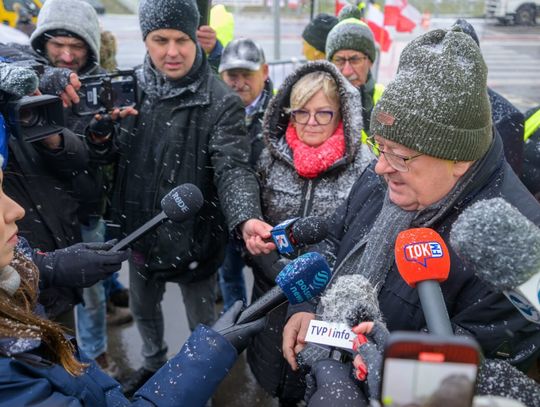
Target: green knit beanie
(351,33)
(438,103)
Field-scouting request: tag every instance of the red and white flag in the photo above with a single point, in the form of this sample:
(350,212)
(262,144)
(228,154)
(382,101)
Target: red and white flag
(409,18)
(375,21)
(392,11)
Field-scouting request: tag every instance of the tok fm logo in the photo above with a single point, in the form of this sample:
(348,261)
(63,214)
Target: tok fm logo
(421,252)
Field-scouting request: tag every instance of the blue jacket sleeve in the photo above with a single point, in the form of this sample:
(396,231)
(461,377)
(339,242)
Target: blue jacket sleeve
(193,375)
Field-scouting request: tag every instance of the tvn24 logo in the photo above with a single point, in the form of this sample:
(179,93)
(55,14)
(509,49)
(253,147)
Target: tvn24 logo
(421,252)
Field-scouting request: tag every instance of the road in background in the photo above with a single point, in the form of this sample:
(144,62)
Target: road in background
(511,53)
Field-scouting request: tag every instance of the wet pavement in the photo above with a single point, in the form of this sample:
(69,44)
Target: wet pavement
(512,55)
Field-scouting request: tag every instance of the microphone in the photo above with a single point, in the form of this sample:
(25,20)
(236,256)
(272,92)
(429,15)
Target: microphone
(504,248)
(179,204)
(351,299)
(16,80)
(423,261)
(293,234)
(301,280)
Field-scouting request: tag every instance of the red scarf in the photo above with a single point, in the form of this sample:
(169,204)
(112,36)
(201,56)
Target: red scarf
(310,162)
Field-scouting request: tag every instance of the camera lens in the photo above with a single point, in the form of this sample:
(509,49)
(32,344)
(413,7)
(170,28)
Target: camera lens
(29,117)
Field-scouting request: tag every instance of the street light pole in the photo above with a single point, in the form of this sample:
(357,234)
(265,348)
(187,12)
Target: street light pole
(277,30)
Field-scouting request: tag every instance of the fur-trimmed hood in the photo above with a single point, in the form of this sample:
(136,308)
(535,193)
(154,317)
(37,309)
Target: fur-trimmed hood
(276,118)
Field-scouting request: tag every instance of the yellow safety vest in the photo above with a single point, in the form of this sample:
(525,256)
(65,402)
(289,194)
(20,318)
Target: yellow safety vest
(223,23)
(531,125)
(377,93)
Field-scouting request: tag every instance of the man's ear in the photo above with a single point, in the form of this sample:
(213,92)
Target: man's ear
(461,167)
(266,71)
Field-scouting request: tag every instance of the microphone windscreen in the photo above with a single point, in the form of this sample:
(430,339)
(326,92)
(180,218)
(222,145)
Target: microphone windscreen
(182,202)
(351,299)
(501,243)
(310,230)
(16,80)
(304,278)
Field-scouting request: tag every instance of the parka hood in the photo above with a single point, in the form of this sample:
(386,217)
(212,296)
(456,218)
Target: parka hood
(276,118)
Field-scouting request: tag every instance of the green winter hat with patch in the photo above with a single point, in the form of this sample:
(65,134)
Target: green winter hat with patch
(351,33)
(438,103)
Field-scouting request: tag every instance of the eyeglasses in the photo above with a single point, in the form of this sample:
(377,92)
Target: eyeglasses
(355,61)
(322,117)
(396,161)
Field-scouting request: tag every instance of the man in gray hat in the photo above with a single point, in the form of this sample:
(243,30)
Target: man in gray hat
(244,69)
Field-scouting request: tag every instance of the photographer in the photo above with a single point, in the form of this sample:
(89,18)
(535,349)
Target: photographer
(39,176)
(67,38)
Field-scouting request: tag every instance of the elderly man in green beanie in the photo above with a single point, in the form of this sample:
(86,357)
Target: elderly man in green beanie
(351,47)
(438,154)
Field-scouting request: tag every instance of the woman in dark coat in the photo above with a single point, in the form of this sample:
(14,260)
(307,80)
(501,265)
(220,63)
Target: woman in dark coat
(312,157)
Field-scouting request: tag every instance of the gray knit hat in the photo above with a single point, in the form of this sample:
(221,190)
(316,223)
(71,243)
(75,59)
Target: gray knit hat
(182,15)
(351,33)
(73,16)
(438,102)
(317,30)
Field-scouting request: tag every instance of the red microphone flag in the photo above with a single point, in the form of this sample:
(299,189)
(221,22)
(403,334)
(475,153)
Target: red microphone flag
(421,255)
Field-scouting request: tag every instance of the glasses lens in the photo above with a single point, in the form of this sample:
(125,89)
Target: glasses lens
(339,62)
(396,162)
(300,116)
(324,117)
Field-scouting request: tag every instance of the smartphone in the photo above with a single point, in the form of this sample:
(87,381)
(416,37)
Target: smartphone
(429,370)
(204,7)
(103,93)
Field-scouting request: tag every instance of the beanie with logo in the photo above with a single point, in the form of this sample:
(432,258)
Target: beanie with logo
(438,103)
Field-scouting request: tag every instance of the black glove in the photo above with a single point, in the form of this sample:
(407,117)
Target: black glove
(102,127)
(54,80)
(238,335)
(331,384)
(371,353)
(80,265)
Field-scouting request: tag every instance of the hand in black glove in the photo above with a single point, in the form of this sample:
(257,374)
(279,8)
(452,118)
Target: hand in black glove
(238,335)
(331,384)
(368,361)
(80,265)
(101,129)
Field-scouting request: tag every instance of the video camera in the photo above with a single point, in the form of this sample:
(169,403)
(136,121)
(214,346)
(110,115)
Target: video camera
(32,118)
(105,92)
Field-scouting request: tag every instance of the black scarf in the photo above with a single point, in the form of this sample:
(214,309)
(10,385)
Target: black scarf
(157,86)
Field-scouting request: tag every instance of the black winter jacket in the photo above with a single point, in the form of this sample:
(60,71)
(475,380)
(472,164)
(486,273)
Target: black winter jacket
(191,133)
(285,194)
(508,121)
(41,182)
(472,305)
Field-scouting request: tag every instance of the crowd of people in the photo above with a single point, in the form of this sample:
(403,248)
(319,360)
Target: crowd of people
(330,142)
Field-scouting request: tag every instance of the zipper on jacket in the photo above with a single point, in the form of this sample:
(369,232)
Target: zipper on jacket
(308,199)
